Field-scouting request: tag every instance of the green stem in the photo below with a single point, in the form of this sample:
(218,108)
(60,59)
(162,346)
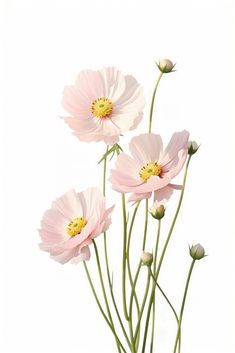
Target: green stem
(143,305)
(163,254)
(104,172)
(107,261)
(101,309)
(133,350)
(174,220)
(146,224)
(166,298)
(154,270)
(124,257)
(103,288)
(183,305)
(153,100)
(128,256)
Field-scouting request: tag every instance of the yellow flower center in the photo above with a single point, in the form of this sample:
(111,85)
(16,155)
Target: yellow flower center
(151,168)
(101,107)
(75,226)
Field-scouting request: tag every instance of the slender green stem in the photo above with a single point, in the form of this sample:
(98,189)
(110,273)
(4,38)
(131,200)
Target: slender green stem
(139,265)
(146,223)
(154,270)
(103,288)
(104,172)
(174,220)
(183,305)
(128,255)
(133,287)
(101,309)
(163,254)
(124,257)
(153,100)
(166,298)
(133,349)
(143,305)
(133,292)
(107,261)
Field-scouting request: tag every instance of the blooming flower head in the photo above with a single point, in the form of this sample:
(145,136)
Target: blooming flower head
(103,104)
(74,220)
(150,169)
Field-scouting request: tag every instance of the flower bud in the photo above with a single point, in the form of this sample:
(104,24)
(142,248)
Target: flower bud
(157,212)
(165,66)
(147,259)
(192,147)
(197,252)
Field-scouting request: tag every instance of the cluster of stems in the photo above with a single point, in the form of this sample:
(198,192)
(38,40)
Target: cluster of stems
(130,327)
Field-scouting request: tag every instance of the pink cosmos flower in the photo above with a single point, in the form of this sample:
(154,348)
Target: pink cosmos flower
(150,169)
(103,104)
(67,229)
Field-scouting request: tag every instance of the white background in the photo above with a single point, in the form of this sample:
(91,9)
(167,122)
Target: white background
(47,307)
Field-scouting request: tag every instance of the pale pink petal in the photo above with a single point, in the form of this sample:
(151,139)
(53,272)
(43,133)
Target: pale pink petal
(137,121)
(124,92)
(95,203)
(53,221)
(69,205)
(62,247)
(121,178)
(128,165)
(176,186)
(126,121)
(76,240)
(84,255)
(179,141)
(50,238)
(91,84)
(146,148)
(94,129)
(161,196)
(114,83)
(65,256)
(176,165)
(105,222)
(81,126)
(139,197)
(154,183)
(75,103)
(133,96)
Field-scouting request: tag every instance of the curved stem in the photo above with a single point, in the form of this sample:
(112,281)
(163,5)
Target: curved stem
(133,287)
(163,253)
(107,261)
(124,257)
(104,172)
(103,288)
(153,100)
(146,224)
(128,256)
(143,305)
(174,220)
(154,270)
(101,309)
(166,298)
(183,305)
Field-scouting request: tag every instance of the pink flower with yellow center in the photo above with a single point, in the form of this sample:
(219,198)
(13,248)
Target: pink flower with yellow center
(74,220)
(103,104)
(150,169)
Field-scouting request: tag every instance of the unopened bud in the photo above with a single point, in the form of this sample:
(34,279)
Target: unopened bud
(197,252)
(147,259)
(192,147)
(158,212)
(165,66)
